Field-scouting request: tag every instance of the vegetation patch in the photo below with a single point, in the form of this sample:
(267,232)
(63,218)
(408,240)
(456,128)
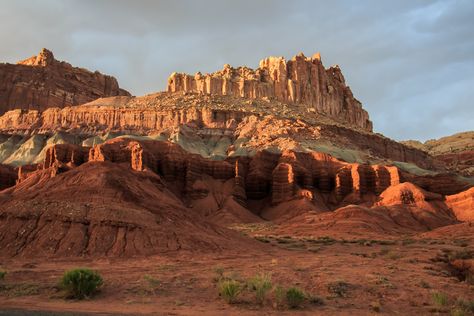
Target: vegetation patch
(81,283)
(440,299)
(295,297)
(339,288)
(229,290)
(260,284)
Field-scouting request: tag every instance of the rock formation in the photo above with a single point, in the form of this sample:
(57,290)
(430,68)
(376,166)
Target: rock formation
(8,176)
(145,183)
(456,151)
(241,126)
(267,174)
(300,80)
(282,183)
(462,205)
(42,82)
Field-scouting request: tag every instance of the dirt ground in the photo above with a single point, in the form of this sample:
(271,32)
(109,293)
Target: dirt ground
(358,277)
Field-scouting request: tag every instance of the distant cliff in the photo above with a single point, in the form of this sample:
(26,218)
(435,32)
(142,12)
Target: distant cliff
(300,80)
(41,82)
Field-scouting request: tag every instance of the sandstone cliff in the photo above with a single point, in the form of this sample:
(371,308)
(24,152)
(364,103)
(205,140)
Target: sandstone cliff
(41,82)
(214,126)
(267,174)
(300,80)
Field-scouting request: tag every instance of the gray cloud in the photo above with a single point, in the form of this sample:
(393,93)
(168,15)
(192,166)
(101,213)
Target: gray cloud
(410,62)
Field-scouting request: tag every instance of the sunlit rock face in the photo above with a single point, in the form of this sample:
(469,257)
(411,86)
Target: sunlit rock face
(300,80)
(42,82)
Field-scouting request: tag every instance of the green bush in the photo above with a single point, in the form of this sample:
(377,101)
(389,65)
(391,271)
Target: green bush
(229,290)
(81,283)
(261,284)
(3,273)
(295,297)
(440,299)
(279,293)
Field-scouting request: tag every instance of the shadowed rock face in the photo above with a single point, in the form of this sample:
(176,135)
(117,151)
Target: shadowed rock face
(300,80)
(7,176)
(267,174)
(140,197)
(42,82)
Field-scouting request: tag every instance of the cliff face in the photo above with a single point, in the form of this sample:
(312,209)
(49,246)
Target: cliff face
(300,80)
(267,174)
(41,82)
(240,132)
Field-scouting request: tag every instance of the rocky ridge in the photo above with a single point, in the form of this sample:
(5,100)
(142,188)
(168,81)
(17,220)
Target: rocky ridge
(149,190)
(286,143)
(300,80)
(455,151)
(41,82)
(213,126)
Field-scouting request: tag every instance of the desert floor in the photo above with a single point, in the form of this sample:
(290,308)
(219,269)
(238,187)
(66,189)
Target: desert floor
(357,277)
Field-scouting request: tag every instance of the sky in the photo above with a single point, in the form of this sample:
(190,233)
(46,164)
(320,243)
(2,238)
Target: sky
(410,62)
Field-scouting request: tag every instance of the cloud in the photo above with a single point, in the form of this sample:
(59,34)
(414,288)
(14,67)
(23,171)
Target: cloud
(410,62)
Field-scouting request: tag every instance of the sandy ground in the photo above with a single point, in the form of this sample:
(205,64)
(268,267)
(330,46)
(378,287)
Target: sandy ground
(352,278)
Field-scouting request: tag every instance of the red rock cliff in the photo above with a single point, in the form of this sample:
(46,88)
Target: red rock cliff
(300,80)
(41,82)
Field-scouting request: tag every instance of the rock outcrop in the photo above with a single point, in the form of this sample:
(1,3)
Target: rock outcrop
(362,179)
(42,82)
(241,127)
(462,205)
(300,80)
(278,176)
(65,154)
(282,183)
(102,209)
(8,176)
(456,151)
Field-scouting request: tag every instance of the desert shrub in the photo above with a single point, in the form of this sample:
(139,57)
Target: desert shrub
(440,299)
(465,306)
(376,307)
(219,271)
(81,283)
(229,290)
(315,300)
(462,269)
(260,284)
(295,297)
(153,283)
(279,293)
(339,288)
(3,273)
(457,312)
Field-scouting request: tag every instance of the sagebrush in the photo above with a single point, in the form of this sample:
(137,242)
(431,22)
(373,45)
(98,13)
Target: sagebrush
(81,283)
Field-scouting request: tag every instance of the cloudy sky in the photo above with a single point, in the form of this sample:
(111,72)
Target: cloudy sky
(411,63)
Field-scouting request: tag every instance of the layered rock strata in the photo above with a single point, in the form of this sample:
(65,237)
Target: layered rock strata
(95,119)
(300,80)
(41,82)
(267,174)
